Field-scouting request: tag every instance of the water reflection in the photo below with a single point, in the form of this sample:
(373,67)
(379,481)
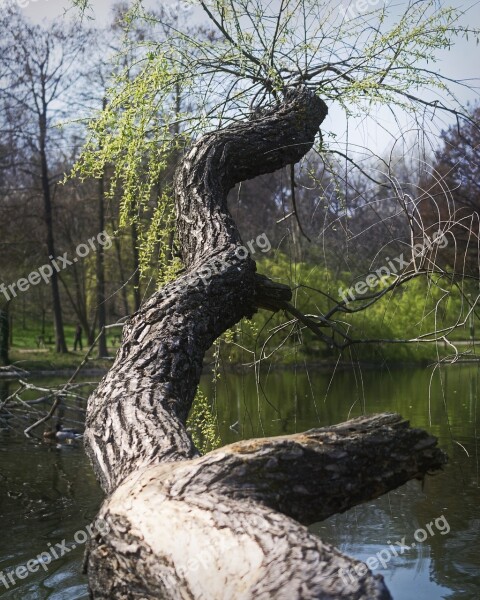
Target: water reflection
(444,566)
(49,492)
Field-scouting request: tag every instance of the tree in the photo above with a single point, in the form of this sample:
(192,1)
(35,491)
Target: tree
(95,95)
(18,241)
(161,360)
(4,333)
(255,87)
(38,78)
(452,198)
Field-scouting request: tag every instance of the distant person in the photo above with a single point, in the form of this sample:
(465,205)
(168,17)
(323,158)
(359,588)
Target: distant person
(78,338)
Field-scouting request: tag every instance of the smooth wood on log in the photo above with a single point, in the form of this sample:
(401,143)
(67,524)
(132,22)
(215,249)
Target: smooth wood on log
(226,525)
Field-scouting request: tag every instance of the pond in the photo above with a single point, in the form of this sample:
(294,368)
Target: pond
(425,541)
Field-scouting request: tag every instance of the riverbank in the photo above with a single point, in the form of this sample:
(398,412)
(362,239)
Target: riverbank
(97,367)
(28,363)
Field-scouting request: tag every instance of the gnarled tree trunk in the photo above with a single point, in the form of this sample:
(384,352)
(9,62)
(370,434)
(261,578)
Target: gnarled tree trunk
(226,525)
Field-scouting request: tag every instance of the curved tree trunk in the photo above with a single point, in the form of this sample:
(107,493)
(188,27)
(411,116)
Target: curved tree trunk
(226,525)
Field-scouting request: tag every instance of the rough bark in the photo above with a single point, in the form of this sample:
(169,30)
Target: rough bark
(226,525)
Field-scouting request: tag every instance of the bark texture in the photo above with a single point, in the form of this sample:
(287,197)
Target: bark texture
(226,525)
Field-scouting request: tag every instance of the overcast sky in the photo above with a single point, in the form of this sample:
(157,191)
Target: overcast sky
(461,62)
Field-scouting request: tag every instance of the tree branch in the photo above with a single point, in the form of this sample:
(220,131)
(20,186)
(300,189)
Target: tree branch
(313,475)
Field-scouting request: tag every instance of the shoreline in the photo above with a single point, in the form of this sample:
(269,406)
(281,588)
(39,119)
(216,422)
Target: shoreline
(325,365)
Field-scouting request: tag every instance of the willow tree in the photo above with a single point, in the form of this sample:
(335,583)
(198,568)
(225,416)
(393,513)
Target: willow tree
(258,85)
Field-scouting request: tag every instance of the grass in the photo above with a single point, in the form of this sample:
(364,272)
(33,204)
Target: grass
(28,354)
(49,360)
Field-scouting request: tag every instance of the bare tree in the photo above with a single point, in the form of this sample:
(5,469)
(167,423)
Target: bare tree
(39,77)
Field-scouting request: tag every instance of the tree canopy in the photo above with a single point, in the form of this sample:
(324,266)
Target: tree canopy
(226,60)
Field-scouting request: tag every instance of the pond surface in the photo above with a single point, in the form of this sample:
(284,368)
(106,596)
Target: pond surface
(428,539)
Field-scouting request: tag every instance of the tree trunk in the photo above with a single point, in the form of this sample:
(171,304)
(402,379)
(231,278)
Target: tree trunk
(4,334)
(100,268)
(226,525)
(121,268)
(78,300)
(60,344)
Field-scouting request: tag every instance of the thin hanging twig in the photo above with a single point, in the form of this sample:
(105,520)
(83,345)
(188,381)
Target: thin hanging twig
(294,202)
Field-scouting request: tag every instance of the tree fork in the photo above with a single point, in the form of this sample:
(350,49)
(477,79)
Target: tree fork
(226,525)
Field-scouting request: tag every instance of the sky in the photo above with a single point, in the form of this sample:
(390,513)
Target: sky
(460,62)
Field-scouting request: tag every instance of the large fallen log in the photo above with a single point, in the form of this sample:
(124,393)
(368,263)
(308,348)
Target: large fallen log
(228,525)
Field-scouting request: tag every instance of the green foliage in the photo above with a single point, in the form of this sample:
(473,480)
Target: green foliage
(377,54)
(202,424)
(412,316)
(173,82)
(136,138)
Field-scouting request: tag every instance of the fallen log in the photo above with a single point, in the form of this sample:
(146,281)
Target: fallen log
(230,524)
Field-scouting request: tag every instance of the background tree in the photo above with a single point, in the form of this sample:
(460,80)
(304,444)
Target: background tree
(453,199)
(39,77)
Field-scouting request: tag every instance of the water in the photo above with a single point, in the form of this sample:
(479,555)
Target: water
(49,493)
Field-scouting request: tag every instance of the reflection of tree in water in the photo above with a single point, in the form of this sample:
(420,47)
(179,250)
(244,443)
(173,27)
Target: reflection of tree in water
(48,489)
(457,564)
(456,556)
(4,426)
(447,407)
(444,405)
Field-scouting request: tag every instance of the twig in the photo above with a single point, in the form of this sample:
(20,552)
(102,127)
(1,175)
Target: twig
(59,394)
